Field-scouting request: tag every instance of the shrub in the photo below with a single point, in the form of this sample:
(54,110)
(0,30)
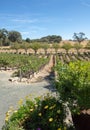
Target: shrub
(41,114)
(73,84)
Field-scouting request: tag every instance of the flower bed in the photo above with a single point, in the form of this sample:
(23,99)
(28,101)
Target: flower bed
(41,114)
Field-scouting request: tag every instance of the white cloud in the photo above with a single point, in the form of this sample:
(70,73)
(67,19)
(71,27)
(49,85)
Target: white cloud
(38,28)
(25,33)
(25,20)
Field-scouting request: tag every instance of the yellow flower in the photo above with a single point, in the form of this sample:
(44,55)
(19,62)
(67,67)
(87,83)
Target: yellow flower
(30,95)
(78,113)
(27,97)
(20,102)
(59,129)
(52,107)
(40,114)
(58,111)
(15,111)
(50,119)
(64,128)
(46,107)
(7,114)
(31,110)
(6,119)
(39,97)
(36,105)
(9,111)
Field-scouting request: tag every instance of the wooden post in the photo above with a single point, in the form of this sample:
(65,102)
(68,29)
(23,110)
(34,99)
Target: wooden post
(20,75)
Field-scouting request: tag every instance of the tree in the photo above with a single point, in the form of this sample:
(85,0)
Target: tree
(67,46)
(51,39)
(28,40)
(15,36)
(3,33)
(45,46)
(35,46)
(79,37)
(6,42)
(3,37)
(15,46)
(56,46)
(25,45)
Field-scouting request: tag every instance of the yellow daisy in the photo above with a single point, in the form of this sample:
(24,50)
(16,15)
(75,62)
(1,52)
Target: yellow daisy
(46,107)
(50,119)
(40,114)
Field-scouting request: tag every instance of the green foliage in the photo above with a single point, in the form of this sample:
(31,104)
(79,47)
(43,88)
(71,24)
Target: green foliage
(15,46)
(4,37)
(25,45)
(67,46)
(51,39)
(77,46)
(15,36)
(41,114)
(45,46)
(56,46)
(28,40)
(74,84)
(32,64)
(35,46)
(24,63)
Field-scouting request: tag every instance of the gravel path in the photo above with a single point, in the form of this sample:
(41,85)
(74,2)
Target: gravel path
(11,92)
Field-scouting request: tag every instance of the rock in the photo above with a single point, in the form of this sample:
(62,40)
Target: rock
(24,79)
(14,79)
(88,111)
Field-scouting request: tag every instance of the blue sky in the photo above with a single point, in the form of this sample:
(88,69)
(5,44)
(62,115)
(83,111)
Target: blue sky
(38,18)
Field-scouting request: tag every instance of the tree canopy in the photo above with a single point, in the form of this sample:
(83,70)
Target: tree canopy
(4,37)
(67,46)
(14,36)
(28,40)
(9,36)
(79,37)
(51,39)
